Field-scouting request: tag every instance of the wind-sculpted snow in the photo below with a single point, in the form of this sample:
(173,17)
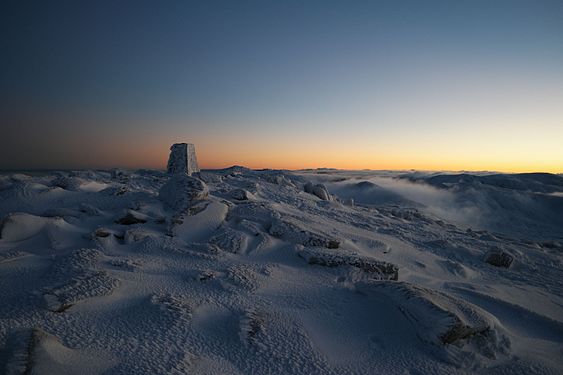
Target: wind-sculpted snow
(241,271)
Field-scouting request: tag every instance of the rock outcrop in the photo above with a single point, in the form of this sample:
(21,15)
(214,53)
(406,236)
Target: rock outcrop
(378,269)
(293,231)
(318,190)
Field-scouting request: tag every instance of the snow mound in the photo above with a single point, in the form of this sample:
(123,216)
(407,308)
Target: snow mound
(181,191)
(440,318)
(20,226)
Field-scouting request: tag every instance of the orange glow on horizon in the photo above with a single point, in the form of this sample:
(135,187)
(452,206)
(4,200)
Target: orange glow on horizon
(214,155)
(521,148)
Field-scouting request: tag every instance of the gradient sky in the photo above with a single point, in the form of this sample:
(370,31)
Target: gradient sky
(474,85)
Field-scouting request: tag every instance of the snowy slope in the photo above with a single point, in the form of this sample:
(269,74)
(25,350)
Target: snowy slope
(238,271)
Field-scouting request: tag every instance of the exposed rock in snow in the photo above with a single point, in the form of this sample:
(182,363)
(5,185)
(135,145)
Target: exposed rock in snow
(291,231)
(132,217)
(102,233)
(239,194)
(252,323)
(115,190)
(499,258)
(277,178)
(318,190)
(333,258)
(182,159)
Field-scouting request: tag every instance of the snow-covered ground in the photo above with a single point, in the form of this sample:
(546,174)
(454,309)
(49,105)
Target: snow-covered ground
(268,272)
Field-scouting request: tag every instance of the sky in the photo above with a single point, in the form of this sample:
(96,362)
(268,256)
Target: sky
(433,85)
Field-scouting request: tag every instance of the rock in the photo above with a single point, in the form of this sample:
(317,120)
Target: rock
(181,191)
(115,190)
(182,159)
(252,324)
(379,269)
(131,218)
(292,231)
(318,190)
(499,258)
(101,232)
(276,178)
(239,194)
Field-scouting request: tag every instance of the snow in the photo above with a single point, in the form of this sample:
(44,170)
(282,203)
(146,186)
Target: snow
(238,271)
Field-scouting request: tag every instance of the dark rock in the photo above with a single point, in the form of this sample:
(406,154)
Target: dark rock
(499,258)
(115,190)
(293,232)
(130,219)
(101,232)
(382,270)
(239,194)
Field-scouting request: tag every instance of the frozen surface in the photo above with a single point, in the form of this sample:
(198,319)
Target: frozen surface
(238,271)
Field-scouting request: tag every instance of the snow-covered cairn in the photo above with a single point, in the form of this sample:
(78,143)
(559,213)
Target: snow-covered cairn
(182,159)
(182,190)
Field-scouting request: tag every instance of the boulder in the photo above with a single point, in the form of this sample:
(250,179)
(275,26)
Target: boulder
(131,218)
(239,194)
(181,191)
(499,258)
(318,190)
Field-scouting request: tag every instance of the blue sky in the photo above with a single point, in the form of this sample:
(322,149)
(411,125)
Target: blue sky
(406,77)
